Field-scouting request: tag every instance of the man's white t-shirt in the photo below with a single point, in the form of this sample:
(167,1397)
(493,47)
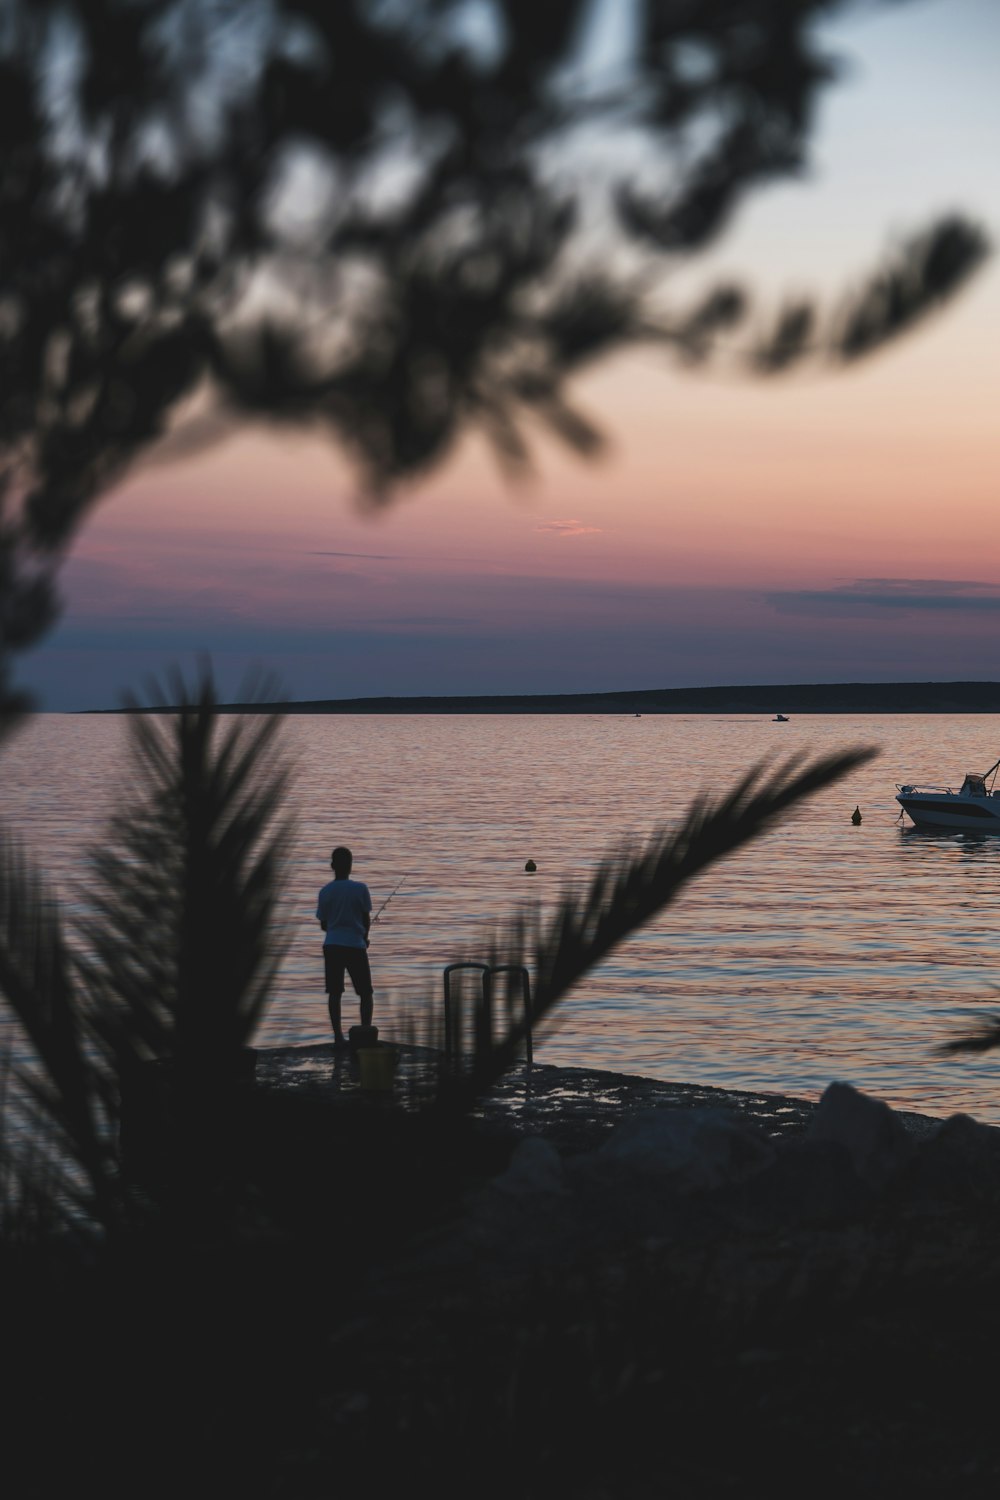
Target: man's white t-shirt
(342,906)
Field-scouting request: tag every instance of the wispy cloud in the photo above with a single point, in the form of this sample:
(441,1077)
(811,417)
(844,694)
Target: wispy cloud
(863,595)
(417,622)
(372,556)
(567,528)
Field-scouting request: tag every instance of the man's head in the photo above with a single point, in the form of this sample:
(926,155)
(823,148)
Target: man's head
(341,861)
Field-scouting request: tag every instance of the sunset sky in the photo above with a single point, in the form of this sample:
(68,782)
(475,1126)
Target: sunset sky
(822,527)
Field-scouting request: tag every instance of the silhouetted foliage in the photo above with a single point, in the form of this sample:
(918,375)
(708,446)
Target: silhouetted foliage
(180,944)
(628,889)
(984,1037)
(391,222)
(173,963)
(58,1120)
(921,274)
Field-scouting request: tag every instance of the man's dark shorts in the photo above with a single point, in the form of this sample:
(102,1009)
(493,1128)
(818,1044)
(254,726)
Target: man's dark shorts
(336,958)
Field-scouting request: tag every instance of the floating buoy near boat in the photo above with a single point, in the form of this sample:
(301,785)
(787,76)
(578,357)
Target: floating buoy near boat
(530,867)
(856,816)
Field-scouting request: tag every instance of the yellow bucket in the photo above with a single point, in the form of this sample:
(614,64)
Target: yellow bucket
(377,1066)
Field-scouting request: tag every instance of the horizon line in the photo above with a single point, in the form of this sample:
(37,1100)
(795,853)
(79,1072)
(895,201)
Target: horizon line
(732,698)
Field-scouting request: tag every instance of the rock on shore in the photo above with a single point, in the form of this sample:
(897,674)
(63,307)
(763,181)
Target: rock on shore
(712,1176)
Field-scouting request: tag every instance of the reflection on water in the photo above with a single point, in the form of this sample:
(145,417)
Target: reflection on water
(973,845)
(824,951)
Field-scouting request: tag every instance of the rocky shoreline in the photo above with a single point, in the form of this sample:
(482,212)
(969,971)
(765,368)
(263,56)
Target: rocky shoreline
(732,1190)
(574,1107)
(671,1287)
(600,1286)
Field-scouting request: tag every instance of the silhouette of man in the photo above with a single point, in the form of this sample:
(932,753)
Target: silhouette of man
(344,911)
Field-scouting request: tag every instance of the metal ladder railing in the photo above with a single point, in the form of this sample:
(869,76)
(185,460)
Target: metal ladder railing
(485,1013)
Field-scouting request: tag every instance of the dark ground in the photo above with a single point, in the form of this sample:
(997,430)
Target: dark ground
(389,1314)
(849,1348)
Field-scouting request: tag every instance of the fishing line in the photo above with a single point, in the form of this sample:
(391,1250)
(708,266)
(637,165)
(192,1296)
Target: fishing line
(388,898)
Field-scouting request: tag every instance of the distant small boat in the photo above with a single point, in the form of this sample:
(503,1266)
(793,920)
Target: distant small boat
(973,806)
(780,719)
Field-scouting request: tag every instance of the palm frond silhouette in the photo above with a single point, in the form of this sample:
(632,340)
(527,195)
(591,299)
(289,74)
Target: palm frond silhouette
(628,888)
(61,1101)
(984,1037)
(175,958)
(181,946)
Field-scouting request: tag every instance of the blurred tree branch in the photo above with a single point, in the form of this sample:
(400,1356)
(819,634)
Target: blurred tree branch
(388,221)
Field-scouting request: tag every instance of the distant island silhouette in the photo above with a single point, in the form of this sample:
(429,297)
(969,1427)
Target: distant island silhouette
(772,698)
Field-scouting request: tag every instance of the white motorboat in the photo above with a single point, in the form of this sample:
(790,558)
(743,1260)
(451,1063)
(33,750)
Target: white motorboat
(975,806)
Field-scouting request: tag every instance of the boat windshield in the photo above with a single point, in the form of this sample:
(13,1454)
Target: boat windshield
(974,786)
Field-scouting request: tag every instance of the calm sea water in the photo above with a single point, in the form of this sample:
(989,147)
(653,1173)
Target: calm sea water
(824,951)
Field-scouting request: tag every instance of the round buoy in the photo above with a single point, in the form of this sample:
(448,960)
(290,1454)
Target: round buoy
(530,867)
(856,816)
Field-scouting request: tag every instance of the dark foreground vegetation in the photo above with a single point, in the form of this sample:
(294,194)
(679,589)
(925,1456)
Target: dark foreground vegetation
(356,1327)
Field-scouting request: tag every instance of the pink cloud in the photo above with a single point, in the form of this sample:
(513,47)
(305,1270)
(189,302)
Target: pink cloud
(570,527)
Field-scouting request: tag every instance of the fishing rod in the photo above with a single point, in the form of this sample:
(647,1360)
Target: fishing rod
(385,903)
